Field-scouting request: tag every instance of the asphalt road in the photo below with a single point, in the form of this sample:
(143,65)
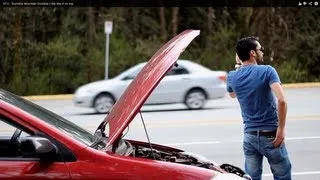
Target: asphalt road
(216,131)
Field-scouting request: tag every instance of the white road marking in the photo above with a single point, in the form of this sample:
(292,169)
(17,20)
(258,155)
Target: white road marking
(303,138)
(237,141)
(195,143)
(298,173)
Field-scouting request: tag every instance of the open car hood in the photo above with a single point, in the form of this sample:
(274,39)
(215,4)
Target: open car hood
(129,104)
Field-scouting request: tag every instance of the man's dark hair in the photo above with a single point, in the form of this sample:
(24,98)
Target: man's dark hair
(244,46)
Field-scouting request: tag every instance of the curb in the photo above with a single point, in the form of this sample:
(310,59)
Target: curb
(50,97)
(70,96)
(302,85)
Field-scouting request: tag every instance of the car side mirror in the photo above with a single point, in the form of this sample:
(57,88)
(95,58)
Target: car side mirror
(38,147)
(127,78)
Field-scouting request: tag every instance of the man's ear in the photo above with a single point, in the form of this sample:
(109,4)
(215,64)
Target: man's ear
(253,53)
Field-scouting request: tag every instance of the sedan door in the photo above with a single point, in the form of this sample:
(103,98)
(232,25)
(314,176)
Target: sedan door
(172,87)
(123,83)
(16,165)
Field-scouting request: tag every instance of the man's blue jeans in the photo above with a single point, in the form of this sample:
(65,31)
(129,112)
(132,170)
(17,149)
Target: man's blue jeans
(255,147)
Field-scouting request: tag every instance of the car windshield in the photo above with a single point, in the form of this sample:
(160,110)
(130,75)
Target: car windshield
(59,122)
(131,72)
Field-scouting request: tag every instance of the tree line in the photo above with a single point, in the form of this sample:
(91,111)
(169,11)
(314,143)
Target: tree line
(55,50)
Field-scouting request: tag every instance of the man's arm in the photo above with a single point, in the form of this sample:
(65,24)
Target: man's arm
(238,60)
(229,88)
(238,65)
(232,94)
(282,112)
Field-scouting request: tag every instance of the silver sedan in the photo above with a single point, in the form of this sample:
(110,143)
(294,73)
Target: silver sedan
(189,83)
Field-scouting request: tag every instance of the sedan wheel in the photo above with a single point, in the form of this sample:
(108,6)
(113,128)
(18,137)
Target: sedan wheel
(103,103)
(195,99)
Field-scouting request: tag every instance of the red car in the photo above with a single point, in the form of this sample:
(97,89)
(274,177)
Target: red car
(44,145)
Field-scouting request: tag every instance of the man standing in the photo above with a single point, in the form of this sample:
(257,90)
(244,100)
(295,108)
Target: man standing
(264,120)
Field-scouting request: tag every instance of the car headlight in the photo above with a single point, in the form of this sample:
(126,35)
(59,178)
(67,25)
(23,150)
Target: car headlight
(230,176)
(88,91)
(82,91)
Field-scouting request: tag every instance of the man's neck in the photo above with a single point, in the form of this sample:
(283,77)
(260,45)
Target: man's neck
(250,62)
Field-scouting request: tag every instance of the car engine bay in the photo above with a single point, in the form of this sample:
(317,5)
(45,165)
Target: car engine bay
(139,150)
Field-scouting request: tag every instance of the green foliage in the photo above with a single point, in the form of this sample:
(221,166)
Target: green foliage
(55,50)
(122,55)
(50,69)
(64,64)
(290,73)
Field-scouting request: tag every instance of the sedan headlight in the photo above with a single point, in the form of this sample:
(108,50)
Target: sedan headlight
(83,91)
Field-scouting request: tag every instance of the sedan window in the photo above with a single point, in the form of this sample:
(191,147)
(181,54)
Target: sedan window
(131,73)
(9,135)
(177,71)
(8,129)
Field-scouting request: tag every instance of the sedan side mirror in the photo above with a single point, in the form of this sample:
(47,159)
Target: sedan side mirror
(128,78)
(38,147)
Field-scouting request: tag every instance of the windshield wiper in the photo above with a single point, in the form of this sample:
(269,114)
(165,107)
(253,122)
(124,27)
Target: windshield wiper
(99,137)
(96,142)
(99,134)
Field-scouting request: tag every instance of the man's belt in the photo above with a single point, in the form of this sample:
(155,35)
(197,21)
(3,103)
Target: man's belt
(263,133)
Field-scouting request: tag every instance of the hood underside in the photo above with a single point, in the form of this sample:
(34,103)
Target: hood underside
(129,104)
